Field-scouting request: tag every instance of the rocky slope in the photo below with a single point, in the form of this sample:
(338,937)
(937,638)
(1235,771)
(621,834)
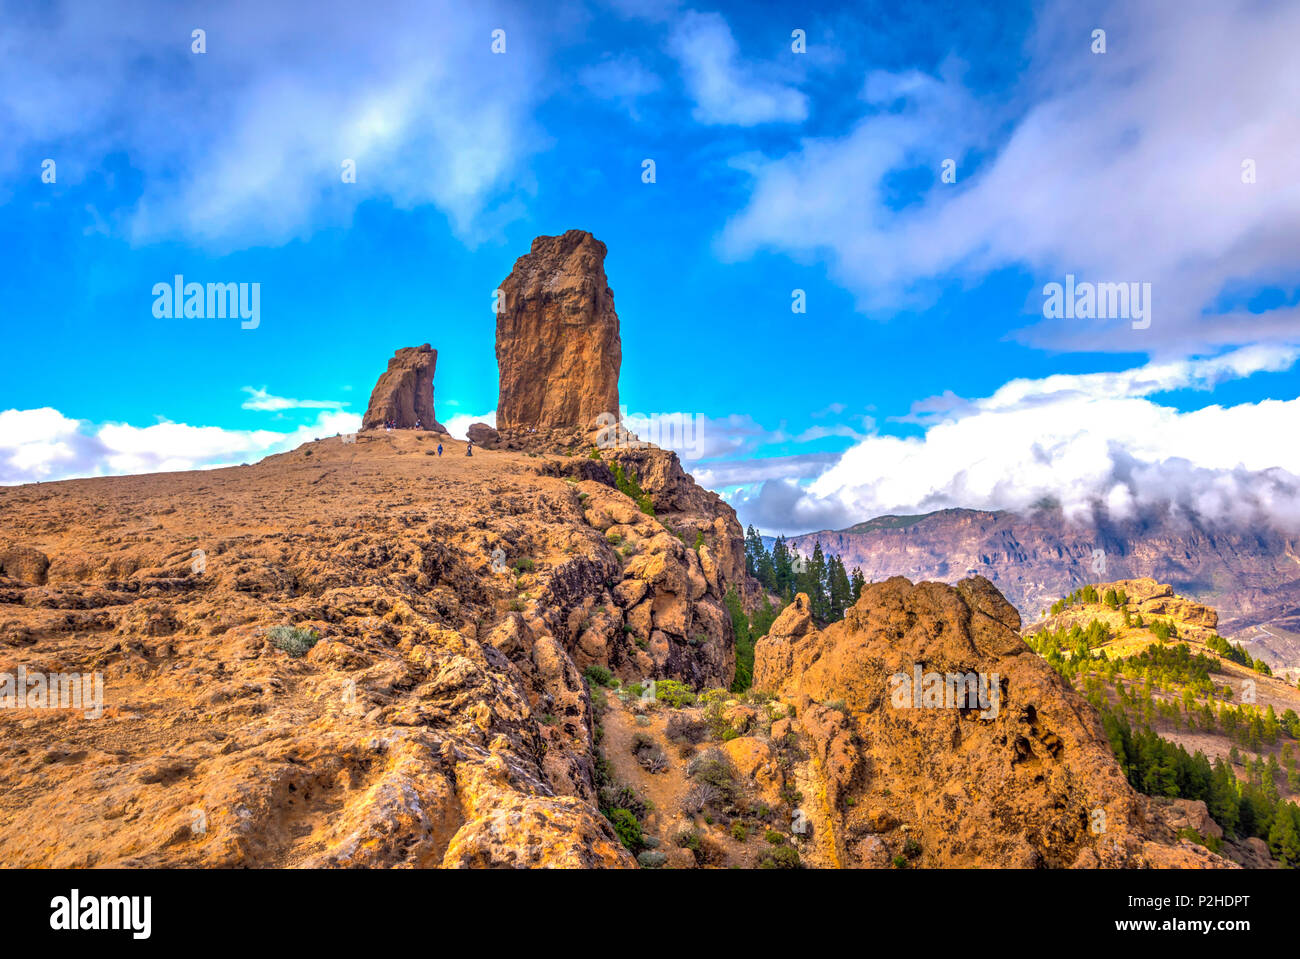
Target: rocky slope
(441,718)
(1194,624)
(1015,780)
(1252,576)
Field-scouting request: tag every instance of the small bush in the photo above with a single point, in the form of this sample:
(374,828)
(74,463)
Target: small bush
(739,831)
(649,754)
(774,837)
(689,839)
(628,828)
(674,693)
(618,796)
(597,675)
(683,729)
(780,857)
(700,797)
(292,639)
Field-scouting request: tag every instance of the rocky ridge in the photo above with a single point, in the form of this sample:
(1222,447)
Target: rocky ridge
(1250,575)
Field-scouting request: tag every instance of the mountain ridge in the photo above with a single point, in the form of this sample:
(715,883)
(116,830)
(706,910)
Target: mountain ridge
(1251,574)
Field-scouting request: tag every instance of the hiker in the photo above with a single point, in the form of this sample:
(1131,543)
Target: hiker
(469,449)
(417,424)
(439,449)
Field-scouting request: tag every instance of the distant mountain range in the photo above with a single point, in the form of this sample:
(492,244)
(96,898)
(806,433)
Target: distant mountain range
(1250,574)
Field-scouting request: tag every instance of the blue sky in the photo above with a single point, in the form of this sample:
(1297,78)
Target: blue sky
(776,170)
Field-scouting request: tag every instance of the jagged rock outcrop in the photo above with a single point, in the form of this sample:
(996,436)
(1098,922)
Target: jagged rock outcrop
(1024,777)
(404,392)
(557,339)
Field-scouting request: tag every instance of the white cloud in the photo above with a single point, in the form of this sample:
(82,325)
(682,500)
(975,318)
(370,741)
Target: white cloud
(260,399)
(623,79)
(244,144)
(43,444)
(1080,440)
(459,424)
(726,89)
(1123,166)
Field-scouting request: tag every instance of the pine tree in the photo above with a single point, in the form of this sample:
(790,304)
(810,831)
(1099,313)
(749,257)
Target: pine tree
(1284,836)
(841,590)
(782,570)
(816,580)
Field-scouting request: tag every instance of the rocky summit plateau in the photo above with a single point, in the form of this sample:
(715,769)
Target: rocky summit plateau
(365,652)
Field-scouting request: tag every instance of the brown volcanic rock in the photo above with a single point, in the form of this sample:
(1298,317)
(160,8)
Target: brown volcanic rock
(440,720)
(557,342)
(24,564)
(404,392)
(1017,785)
(480,434)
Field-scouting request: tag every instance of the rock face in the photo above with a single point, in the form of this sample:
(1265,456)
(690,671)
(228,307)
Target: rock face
(557,342)
(1016,779)
(404,393)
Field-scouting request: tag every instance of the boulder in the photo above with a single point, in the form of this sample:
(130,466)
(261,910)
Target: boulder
(480,434)
(24,564)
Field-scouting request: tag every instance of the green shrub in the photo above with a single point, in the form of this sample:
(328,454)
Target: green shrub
(689,839)
(628,828)
(739,831)
(780,857)
(597,675)
(627,485)
(292,639)
(674,693)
